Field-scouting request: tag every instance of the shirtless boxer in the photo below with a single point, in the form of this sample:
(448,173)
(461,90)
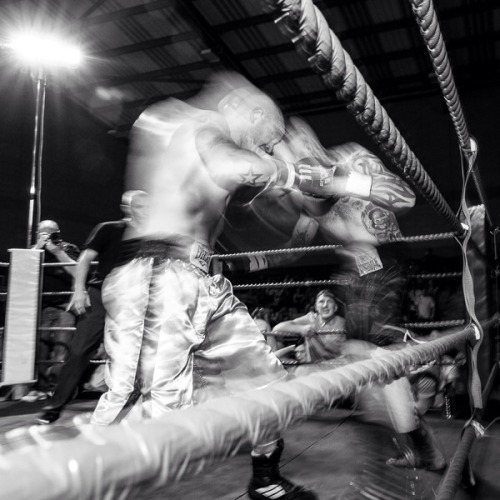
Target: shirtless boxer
(361,223)
(175,334)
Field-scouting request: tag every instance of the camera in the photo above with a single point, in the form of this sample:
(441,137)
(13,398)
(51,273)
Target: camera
(55,237)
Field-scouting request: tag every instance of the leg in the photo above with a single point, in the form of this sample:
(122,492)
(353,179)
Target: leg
(88,336)
(234,358)
(125,295)
(394,405)
(62,341)
(45,346)
(39,391)
(267,481)
(174,327)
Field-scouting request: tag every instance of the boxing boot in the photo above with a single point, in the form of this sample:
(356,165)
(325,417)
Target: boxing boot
(267,482)
(422,451)
(49,416)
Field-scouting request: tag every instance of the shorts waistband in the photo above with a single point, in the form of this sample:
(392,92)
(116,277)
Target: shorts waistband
(194,253)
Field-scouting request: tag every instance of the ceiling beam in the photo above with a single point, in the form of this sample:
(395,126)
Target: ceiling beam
(367,60)
(120,14)
(148,44)
(211,38)
(280,48)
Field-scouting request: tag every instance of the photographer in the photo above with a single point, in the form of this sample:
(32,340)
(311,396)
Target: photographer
(53,344)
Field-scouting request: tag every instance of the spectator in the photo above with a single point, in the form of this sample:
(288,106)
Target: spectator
(261,317)
(425,306)
(53,344)
(325,318)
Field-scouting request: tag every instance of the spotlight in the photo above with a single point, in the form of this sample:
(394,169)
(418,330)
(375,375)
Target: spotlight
(45,50)
(40,51)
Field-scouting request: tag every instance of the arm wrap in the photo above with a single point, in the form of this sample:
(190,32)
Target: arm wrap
(358,184)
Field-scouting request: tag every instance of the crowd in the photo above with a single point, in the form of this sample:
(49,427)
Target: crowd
(423,300)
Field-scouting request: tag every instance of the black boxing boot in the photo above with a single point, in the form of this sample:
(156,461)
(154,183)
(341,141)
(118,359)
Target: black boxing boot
(267,482)
(424,454)
(49,416)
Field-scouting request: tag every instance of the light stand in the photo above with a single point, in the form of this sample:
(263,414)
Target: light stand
(40,51)
(36,161)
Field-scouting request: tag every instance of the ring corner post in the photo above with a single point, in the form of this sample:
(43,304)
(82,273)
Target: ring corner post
(22,316)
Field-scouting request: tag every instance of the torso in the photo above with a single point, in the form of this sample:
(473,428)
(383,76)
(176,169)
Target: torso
(184,199)
(105,240)
(328,345)
(349,220)
(336,323)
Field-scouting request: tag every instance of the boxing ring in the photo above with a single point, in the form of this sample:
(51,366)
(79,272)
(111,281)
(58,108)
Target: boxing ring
(88,462)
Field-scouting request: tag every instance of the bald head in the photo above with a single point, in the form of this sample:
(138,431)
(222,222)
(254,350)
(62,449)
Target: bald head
(253,118)
(128,196)
(135,205)
(48,226)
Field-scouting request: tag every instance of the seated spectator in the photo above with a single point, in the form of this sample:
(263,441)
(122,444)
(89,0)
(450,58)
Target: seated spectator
(325,320)
(53,345)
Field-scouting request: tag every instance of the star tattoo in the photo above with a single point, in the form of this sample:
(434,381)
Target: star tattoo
(250,177)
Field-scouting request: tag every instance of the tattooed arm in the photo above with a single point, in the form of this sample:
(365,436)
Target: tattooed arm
(302,236)
(387,190)
(231,166)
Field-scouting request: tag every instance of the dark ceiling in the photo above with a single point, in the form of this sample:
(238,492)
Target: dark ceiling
(141,51)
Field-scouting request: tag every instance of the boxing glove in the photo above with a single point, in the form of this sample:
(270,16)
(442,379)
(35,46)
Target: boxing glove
(310,176)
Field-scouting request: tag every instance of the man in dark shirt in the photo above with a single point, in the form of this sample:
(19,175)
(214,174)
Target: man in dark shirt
(103,244)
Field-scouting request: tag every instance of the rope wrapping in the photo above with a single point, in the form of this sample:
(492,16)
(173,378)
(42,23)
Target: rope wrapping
(290,284)
(429,28)
(309,31)
(429,276)
(131,459)
(453,475)
(434,324)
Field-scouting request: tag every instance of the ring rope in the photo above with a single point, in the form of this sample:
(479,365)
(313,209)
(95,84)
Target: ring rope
(310,283)
(93,462)
(306,26)
(429,276)
(295,334)
(291,284)
(58,264)
(429,28)
(323,248)
(278,251)
(52,294)
(56,328)
(434,324)
(431,33)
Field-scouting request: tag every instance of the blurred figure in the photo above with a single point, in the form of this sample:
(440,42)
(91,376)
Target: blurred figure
(326,320)
(261,316)
(53,345)
(103,244)
(425,306)
(436,383)
(175,334)
(361,220)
